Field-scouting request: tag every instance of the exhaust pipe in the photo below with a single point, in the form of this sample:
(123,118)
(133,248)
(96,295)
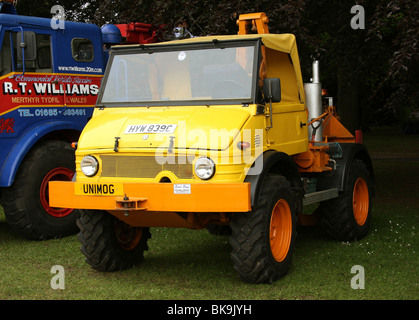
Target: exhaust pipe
(313,92)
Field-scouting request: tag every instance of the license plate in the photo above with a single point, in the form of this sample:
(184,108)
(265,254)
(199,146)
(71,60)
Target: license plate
(99,189)
(150,128)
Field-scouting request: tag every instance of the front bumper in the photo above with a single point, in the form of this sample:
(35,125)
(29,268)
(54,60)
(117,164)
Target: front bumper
(156,197)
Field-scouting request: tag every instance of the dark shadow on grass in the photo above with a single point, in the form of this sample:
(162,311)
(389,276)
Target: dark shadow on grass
(7,234)
(208,257)
(201,249)
(195,258)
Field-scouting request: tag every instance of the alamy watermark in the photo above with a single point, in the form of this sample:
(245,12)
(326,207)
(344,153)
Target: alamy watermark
(58,280)
(358,20)
(57,21)
(358,280)
(192,143)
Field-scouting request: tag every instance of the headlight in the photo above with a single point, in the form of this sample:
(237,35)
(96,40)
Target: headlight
(89,166)
(204,168)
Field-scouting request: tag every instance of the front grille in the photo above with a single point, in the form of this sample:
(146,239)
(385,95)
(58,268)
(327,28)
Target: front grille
(141,167)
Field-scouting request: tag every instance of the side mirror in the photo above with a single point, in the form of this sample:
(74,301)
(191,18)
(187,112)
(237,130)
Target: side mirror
(272,89)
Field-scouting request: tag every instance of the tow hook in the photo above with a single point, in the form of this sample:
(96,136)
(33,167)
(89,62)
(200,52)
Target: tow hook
(171,142)
(115,148)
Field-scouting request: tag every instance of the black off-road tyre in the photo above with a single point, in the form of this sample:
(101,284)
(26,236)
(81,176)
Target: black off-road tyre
(256,257)
(110,244)
(26,203)
(348,217)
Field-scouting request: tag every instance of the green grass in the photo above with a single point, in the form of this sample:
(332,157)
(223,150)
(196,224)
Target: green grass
(188,264)
(392,142)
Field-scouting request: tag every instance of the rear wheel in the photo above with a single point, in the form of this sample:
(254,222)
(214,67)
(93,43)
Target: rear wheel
(348,217)
(26,202)
(110,244)
(263,240)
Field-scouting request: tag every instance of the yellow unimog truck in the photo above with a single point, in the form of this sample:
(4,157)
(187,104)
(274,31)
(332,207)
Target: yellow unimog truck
(216,132)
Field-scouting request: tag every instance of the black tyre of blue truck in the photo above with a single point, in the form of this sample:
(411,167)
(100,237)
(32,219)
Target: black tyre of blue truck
(26,201)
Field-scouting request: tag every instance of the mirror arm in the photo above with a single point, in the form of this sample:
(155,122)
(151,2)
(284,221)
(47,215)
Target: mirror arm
(270,114)
(22,46)
(272,92)
(270,105)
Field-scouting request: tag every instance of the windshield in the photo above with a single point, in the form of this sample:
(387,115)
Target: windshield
(192,75)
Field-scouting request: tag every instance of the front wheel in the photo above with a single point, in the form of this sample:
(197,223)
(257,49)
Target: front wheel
(26,202)
(110,244)
(263,240)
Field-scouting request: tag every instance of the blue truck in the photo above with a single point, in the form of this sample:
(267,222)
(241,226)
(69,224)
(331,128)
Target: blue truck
(50,76)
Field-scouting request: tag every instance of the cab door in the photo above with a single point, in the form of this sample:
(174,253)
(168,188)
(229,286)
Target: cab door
(289,116)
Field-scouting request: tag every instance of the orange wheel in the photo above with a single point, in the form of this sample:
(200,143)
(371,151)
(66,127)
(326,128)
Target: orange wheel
(128,237)
(280,230)
(110,244)
(263,242)
(361,201)
(348,217)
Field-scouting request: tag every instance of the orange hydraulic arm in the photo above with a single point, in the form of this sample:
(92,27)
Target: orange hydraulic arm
(253,23)
(316,158)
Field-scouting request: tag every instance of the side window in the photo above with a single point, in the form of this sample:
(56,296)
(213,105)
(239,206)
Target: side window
(37,52)
(44,58)
(82,50)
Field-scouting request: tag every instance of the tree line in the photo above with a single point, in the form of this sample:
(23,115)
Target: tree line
(372,72)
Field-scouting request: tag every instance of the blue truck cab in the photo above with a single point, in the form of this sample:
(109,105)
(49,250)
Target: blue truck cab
(49,80)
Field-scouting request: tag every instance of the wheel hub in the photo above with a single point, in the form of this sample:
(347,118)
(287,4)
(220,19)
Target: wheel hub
(280,230)
(56,174)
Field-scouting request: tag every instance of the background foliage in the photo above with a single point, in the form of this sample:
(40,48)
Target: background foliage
(372,72)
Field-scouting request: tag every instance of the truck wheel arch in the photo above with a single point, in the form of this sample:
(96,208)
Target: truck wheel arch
(28,141)
(278,163)
(339,178)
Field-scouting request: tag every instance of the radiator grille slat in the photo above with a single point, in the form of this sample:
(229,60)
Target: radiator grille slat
(141,167)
